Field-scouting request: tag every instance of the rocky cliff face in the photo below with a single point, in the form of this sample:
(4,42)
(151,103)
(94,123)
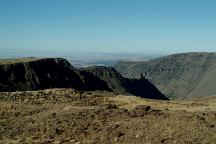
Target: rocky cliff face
(179,76)
(41,74)
(140,87)
(35,74)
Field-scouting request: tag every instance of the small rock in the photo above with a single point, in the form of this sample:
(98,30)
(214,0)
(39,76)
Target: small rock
(212,126)
(139,111)
(143,107)
(200,118)
(139,134)
(118,134)
(111,106)
(115,139)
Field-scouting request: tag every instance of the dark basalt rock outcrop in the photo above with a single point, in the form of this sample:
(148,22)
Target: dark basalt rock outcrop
(139,87)
(35,74)
(43,74)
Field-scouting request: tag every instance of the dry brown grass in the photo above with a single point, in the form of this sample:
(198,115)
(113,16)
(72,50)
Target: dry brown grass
(196,105)
(68,116)
(17,60)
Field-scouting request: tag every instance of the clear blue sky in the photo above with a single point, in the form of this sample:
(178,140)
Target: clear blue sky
(148,26)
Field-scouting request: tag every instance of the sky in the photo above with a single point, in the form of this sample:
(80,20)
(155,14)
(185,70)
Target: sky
(121,26)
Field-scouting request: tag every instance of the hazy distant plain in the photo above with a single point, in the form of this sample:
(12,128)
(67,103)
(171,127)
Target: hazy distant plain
(78,59)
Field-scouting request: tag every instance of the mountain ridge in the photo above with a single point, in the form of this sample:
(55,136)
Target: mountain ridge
(179,76)
(36,74)
(121,85)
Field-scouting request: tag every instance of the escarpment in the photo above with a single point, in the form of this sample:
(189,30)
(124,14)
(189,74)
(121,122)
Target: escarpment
(178,76)
(35,74)
(139,87)
(38,74)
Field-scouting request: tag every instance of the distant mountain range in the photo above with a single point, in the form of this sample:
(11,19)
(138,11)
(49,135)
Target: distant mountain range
(178,76)
(42,73)
(80,60)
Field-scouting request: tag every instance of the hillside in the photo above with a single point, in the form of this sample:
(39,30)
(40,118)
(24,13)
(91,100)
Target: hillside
(33,74)
(178,76)
(36,74)
(139,87)
(68,116)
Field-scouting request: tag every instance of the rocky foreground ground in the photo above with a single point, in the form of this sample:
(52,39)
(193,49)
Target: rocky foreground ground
(69,116)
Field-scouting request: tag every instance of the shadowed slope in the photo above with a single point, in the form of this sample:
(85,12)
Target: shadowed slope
(45,73)
(180,76)
(139,87)
(35,74)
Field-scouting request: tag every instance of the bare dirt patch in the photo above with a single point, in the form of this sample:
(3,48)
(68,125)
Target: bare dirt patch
(68,116)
